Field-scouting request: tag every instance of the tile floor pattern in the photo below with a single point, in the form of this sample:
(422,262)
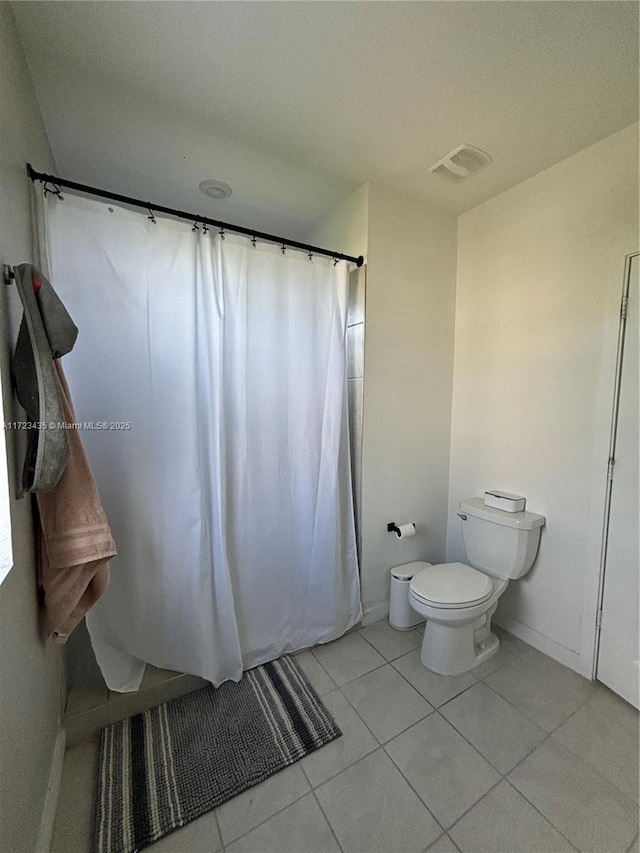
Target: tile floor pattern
(520,756)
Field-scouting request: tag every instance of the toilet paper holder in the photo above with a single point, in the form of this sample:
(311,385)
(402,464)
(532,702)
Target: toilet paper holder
(403,530)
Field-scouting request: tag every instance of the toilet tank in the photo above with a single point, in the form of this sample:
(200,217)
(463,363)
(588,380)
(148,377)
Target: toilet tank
(503,544)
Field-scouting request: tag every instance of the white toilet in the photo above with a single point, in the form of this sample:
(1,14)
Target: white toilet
(458,600)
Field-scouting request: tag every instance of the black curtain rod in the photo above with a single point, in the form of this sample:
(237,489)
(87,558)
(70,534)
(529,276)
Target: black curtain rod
(181,214)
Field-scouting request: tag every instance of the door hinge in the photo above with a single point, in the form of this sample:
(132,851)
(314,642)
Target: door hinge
(623,307)
(599,619)
(610,466)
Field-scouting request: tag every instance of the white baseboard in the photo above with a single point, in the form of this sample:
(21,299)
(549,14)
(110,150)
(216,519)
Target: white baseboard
(45,835)
(543,644)
(375,613)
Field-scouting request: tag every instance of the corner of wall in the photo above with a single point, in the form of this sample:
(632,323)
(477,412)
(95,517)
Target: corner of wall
(345,228)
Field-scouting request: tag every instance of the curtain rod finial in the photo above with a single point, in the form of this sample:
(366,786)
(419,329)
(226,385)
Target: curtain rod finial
(359,261)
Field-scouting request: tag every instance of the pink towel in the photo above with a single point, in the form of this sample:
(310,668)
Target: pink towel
(76,541)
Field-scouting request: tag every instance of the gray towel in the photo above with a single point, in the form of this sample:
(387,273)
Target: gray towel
(47,332)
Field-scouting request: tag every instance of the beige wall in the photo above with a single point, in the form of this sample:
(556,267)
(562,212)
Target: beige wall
(539,279)
(345,228)
(410,301)
(31,683)
(407,389)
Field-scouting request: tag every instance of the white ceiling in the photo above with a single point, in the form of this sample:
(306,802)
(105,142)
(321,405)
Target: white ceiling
(295,104)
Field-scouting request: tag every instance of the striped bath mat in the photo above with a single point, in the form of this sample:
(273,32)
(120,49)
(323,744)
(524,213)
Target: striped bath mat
(161,769)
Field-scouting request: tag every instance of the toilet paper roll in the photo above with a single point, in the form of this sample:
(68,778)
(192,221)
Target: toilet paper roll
(406,530)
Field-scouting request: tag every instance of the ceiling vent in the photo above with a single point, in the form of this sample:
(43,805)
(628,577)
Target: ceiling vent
(460,163)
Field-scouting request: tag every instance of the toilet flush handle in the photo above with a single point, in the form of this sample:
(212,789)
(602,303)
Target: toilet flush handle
(461,515)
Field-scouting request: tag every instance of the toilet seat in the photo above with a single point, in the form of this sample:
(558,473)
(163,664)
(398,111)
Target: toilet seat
(451,585)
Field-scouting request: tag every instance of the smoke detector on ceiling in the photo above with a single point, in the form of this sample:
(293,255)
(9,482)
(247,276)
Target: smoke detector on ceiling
(461,163)
(215,189)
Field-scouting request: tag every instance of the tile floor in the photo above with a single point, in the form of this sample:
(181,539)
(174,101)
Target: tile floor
(520,756)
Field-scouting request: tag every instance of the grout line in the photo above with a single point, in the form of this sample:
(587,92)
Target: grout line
(439,838)
(542,815)
(437,707)
(364,723)
(392,662)
(351,680)
(333,832)
(486,758)
(415,690)
(348,767)
(503,776)
(388,660)
(593,769)
(533,805)
(587,762)
(377,746)
(399,769)
(222,844)
(376,738)
(477,802)
(381,748)
(267,819)
(524,757)
(523,713)
(321,665)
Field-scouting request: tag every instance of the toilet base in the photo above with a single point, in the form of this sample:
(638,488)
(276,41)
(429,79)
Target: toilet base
(455,649)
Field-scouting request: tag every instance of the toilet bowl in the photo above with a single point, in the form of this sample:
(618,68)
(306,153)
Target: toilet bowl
(458,600)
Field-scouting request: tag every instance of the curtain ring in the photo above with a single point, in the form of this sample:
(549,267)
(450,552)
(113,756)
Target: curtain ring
(254,241)
(310,255)
(221,233)
(205,228)
(54,189)
(151,216)
(283,248)
(336,261)
(195,226)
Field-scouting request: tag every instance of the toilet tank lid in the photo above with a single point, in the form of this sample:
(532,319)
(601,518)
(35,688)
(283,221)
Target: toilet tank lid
(522,520)
(408,570)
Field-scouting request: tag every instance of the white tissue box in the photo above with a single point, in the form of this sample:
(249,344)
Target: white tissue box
(505,501)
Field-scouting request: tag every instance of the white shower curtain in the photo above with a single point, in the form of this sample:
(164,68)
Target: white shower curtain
(219,369)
